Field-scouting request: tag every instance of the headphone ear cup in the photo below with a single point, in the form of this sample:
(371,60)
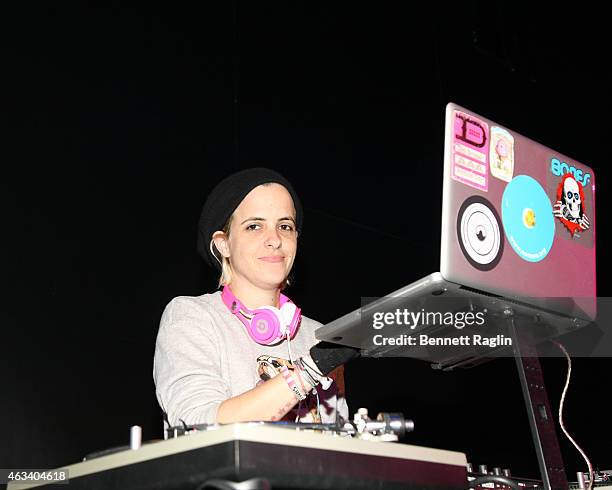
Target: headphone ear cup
(266,325)
(288,313)
(291,315)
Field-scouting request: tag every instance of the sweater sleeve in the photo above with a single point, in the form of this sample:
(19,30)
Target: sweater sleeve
(186,368)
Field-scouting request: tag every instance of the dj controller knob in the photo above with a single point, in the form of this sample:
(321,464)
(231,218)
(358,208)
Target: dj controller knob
(482,469)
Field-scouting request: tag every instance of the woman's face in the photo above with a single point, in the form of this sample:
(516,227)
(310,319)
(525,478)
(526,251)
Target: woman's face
(263,238)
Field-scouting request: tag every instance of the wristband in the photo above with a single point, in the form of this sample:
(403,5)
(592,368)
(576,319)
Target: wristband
(314,376)
(284,371)
(305,373)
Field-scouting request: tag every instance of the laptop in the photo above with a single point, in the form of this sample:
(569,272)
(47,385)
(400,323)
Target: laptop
(518,236)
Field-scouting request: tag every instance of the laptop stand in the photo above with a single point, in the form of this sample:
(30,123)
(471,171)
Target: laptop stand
(541,418)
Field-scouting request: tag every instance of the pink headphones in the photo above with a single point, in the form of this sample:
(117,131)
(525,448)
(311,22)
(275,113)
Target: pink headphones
(266,325)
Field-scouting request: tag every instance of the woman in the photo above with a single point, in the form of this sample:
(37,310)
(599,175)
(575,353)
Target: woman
(214,351)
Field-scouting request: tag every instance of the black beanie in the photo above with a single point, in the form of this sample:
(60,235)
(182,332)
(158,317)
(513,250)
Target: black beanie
(227,196)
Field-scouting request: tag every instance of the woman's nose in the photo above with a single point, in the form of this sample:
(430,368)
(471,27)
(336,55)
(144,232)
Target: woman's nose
(273,239)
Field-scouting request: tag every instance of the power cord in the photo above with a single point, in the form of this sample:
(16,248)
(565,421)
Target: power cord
(569,373)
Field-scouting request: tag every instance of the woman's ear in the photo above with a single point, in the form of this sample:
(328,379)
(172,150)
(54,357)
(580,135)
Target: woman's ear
(220,241)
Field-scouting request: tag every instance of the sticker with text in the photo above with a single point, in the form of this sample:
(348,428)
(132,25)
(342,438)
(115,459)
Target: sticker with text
(572,192)
(470,151)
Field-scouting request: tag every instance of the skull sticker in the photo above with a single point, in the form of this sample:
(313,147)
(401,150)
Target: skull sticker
(569,208)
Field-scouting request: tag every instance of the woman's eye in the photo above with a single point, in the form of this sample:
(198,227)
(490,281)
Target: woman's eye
(253,226)
(286,227)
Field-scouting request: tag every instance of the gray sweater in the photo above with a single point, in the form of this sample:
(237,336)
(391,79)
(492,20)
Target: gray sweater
(203,356)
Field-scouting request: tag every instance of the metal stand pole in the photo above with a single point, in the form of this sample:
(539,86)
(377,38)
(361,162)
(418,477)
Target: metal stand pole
(541,418)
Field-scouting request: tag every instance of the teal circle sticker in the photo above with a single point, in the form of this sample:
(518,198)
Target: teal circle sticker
(527,217)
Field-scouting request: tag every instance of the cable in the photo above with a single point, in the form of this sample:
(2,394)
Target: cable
(299,408)
(289,349)
(569,373)
(314,389)
(318,404)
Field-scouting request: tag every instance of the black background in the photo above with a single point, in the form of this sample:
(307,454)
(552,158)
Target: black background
(119,120)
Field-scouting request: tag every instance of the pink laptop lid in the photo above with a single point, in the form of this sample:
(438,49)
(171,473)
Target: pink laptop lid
(518,218)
